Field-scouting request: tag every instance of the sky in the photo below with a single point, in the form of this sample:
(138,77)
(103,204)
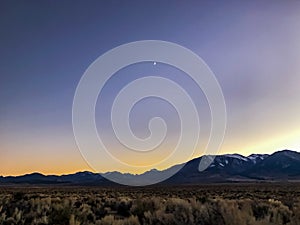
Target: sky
(253,48)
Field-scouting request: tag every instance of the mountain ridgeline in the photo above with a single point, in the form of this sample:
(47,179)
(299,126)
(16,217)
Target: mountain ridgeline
(279,166)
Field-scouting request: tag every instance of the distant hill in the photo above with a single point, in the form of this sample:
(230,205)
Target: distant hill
(279,166)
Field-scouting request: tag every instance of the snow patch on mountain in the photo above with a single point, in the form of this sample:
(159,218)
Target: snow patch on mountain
(256,157)
(237,156)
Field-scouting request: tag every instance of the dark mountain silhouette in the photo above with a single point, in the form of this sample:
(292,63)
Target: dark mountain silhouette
(279,166)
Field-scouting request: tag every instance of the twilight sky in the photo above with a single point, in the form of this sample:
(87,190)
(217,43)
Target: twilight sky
(253,48)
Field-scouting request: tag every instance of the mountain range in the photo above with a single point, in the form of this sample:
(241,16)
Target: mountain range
(280,166)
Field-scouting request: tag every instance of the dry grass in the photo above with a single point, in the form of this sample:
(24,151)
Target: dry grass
(258,204)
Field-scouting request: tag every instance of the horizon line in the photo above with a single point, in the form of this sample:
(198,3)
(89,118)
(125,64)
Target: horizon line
(84,171)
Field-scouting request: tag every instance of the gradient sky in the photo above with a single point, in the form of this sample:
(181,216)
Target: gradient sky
(45,46)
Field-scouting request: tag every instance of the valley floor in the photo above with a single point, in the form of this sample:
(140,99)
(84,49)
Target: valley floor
(222,204)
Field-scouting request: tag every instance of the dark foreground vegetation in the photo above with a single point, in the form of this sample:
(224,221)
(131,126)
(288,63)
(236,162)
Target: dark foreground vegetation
(222,204)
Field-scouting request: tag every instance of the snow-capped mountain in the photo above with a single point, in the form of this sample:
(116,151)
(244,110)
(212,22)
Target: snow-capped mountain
(279,166)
